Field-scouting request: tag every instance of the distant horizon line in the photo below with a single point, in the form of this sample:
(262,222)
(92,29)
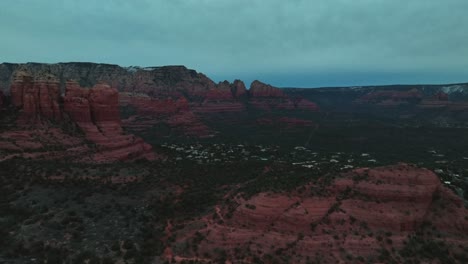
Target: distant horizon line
(281,87)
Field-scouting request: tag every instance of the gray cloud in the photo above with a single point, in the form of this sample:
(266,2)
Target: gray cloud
(281,41)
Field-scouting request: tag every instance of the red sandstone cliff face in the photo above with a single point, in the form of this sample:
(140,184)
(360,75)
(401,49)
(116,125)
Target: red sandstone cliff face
(238,89)
(174,112)
(181,114)
(266,97)
(360,214)
(259,89)
(226,97)
(96,111)
(152,80)
(37,97)
(172,96)
(184,112)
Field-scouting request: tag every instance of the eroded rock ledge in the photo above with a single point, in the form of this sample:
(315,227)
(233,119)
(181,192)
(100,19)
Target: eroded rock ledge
(360,213)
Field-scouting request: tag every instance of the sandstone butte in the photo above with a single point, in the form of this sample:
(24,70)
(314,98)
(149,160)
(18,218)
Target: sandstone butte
(36,98)
(266,97)
(95,111)
(361,213)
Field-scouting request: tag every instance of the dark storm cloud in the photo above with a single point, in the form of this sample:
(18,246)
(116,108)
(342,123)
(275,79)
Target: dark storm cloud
(287,43)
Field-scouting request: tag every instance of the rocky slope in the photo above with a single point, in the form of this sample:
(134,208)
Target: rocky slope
(364,214)
(43,114)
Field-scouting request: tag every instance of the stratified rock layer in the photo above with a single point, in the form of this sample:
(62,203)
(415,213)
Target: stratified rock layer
(37,97)
(259,89)
(361,213)
(266,97)
(96,111)
(151,80)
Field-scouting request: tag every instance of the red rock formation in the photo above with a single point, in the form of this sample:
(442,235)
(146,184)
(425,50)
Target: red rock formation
(224,98)
(238,89)
(304,104)
(20,80)
(104,103)
(96,111)
(190,125)
(146,105)
(259,89)
(267,97)
(222,93)
(152,80)
(76,103)
(361,213)
(37,98)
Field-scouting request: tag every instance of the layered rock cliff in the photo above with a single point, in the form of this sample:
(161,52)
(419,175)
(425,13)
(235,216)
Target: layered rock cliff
(36,97)
(361,213)
(96,111)
(151,80)
(42,110)
(178,97)
(266,97)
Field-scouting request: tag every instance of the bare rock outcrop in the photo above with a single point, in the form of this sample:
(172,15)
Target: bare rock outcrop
(361,213)
(150,80)
(266,97)
(96,111)
(36,97)
(259,89)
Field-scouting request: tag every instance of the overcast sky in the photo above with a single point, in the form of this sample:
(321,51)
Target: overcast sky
(301,43)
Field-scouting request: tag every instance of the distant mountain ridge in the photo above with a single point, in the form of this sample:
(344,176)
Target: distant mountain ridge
(165,78)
